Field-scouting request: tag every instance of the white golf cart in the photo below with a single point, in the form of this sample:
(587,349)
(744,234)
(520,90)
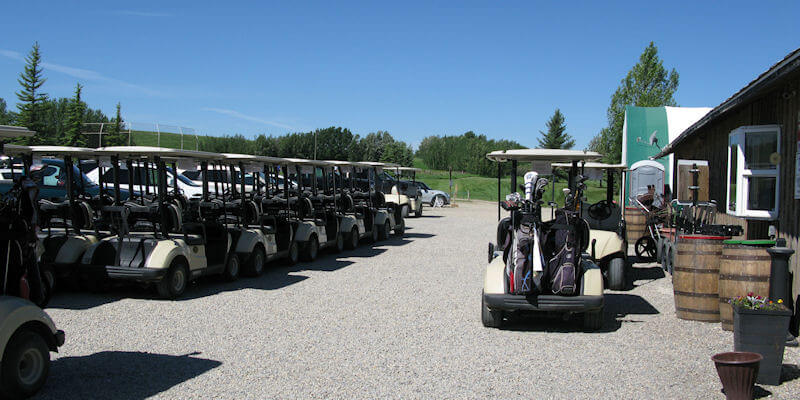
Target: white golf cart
(152,244)
(354,223)
(525,271)
(606,219)
(67,211)
(393,193)
(410,188)
(27,334)
(386,208)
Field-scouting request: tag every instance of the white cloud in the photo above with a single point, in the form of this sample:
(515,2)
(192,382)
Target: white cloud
(236,114)
(142,13)
(83,74)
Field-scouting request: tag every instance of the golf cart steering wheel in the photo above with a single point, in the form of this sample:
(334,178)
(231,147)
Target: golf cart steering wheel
(600,210)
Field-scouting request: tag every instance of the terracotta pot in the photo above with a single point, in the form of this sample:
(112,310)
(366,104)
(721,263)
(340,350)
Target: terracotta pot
(737,371)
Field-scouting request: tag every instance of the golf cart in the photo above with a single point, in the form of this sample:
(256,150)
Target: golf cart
(409,188)
(393,192)
(536,265)
(27,334)
(67,221)
(606,220)
(151,243)
(319,228)
(387,215)
(355,220)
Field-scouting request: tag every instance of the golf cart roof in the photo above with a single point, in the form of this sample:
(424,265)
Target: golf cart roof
(551,155)
(378,164)
(148,151)
(408,169)
(8,131)
(340,162)
(249,158)
(593,165)
(12,149)
(303,161)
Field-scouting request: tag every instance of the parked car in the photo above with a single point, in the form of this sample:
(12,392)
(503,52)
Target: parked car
(431,197)
(50,177)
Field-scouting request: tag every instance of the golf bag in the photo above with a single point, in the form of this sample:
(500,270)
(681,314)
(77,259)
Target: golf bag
(21,275)
(563,245)
(524,265)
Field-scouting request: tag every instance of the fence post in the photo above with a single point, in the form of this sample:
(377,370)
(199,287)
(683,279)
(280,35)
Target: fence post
(158,132)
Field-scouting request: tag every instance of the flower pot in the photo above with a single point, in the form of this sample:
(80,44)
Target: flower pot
(737,371)
(762,332)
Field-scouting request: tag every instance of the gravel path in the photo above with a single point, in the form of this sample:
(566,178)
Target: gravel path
(396,320)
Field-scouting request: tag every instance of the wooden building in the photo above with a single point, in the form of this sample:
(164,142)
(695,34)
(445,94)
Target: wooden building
(751,143)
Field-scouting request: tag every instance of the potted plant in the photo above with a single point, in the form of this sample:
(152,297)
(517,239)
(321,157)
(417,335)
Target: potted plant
(759,326)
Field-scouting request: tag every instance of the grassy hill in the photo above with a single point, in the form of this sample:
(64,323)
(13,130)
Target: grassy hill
(168,139)
(485,188)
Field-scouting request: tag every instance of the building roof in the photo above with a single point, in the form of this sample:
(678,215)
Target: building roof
(551,155)
(788,64)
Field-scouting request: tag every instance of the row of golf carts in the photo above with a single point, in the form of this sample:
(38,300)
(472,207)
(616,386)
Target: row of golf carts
(136,220)
(557,261)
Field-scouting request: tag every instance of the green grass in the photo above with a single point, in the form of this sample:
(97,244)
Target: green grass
(485,188)
(168,139)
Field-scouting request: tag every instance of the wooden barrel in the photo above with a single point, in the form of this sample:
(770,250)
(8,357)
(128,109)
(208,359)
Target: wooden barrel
(635,224)
(742,269)
(695,278)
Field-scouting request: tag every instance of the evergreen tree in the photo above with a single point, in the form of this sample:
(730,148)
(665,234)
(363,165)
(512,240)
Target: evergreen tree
(115,137)
(6,117)
(556,136)
(648,84)
(30,98)
(74,136)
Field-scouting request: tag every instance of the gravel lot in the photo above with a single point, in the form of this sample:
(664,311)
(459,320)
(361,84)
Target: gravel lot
(396,320)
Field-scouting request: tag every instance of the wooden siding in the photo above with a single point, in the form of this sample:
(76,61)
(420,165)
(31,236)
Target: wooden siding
(778,104)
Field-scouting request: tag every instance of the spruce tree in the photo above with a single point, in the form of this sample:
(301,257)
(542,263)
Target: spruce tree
(556,136)
(114,137)
(73,136)
(30,97)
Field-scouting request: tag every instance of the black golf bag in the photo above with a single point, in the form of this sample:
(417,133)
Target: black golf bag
(19,269)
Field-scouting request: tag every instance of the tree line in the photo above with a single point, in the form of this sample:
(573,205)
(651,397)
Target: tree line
(333,143)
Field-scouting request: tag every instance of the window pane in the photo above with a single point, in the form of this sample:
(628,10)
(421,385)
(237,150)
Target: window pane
(761,193)
(758,147)
(732,179)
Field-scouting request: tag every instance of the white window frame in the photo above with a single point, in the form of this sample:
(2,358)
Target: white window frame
(737,138)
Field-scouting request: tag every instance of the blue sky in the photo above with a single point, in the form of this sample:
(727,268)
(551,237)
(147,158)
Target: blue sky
(413,69)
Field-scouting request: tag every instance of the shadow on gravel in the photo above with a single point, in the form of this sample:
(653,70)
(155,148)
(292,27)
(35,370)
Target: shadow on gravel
(276,276)
(121,374)
(789,372)
(617,308)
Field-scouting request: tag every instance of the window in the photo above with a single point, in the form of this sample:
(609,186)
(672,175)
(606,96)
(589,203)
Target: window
(753,173)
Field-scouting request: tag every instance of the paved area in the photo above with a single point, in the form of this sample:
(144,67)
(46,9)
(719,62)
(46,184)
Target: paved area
(399,319)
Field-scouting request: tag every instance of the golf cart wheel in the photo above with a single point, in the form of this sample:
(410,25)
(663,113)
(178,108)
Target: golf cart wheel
(339,242)
(174,283)
(310,249)
(660,243)
(490,318)
(385,231)
(438,201)
(352,239)
(25,365)
(294,253)
(232,268)
(400,228)
(616,274)
(404,211)
(255,265)
(645,249)
(669,258)
(374,233)
(418,212)
(593,320)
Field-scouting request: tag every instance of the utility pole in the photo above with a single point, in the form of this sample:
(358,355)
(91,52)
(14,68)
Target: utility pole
(315,145)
